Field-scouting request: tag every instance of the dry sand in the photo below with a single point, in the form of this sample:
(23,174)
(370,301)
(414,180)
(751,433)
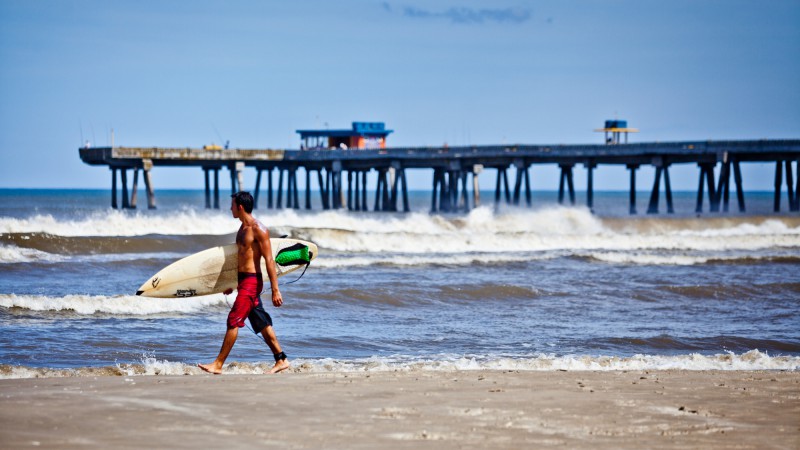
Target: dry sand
(441,410)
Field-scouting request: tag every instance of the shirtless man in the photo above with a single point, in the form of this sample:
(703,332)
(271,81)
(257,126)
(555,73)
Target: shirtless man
(253,242)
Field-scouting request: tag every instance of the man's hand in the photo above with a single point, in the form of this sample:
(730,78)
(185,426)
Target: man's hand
(277,299)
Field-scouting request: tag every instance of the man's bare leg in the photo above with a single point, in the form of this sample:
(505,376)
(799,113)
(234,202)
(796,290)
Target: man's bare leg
(227,344)
(269,337)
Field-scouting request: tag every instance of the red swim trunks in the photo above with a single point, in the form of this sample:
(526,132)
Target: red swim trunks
(249,288)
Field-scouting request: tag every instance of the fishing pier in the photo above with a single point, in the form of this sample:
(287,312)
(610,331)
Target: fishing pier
(340,174)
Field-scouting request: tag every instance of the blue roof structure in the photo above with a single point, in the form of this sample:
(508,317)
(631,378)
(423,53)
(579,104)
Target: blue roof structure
(359,129)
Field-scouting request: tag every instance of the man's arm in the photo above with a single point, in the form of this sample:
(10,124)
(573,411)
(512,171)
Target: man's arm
(266,252)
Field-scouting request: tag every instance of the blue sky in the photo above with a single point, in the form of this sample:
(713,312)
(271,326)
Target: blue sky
(188,73)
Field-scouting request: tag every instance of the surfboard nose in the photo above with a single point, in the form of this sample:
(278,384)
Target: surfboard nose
(139,292)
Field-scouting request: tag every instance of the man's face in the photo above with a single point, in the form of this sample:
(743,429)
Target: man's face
(234,209)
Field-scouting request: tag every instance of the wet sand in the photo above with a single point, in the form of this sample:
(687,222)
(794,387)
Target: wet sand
(441,410)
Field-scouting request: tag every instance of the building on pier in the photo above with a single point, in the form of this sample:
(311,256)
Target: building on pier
(615,129)
(363,135)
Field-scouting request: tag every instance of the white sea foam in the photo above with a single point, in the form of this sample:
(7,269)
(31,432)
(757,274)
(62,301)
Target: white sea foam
(481,232)
(150,365)
(452,259)
(685,258)
(770,227)
(752,360)
(125,223)
(122,305)
(548,230)
(13,254)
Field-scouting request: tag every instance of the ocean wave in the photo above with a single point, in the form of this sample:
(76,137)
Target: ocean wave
(416,238)
(117,305)
(549,221)
(113,245)
(448,259)
(14,254)
(790,289)
(184,221)
(150,366)
(687,259)
(341,259)
(544,230)
(463,242)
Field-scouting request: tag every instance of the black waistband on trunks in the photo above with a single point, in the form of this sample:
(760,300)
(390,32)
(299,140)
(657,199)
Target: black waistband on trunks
(245,275)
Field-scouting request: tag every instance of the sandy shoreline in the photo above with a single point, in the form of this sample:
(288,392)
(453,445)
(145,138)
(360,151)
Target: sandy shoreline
(442,410)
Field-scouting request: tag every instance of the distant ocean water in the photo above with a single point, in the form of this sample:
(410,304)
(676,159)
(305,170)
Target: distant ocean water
(543,288)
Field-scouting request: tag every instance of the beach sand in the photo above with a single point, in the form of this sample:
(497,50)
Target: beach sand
(426,409)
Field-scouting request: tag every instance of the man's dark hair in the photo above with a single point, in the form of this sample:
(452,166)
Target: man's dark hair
(244,199)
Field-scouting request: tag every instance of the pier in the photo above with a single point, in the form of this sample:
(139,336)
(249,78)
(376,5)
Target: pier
(341,174)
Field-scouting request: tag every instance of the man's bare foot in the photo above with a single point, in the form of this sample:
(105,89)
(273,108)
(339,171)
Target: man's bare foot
(279,366)
(211,368)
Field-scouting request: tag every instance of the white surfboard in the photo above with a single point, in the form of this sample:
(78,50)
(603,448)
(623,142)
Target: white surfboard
(214,270)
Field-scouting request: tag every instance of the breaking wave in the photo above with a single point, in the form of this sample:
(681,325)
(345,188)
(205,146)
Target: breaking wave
(13,254)
(352,239)
(117,305)
(149,366)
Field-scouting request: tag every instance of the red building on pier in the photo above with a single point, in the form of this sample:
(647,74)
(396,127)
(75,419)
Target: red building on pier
(363,135)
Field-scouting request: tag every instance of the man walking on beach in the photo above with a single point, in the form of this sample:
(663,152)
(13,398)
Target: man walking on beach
(253,243)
